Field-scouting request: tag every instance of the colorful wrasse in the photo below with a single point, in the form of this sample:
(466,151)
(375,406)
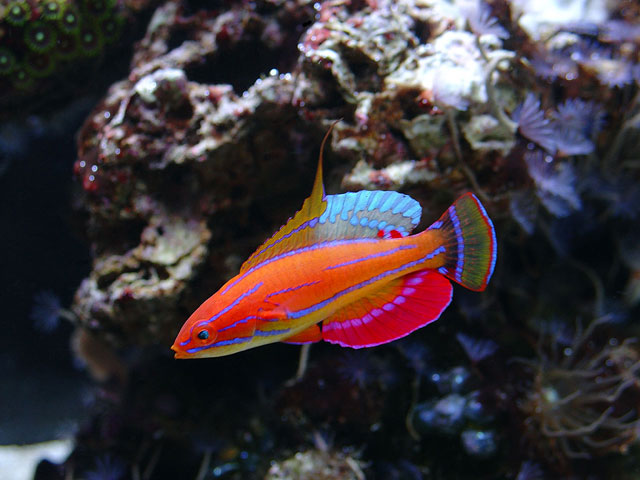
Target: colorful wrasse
(344,269)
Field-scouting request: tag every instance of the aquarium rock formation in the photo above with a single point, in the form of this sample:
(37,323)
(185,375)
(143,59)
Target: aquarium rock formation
(209,143)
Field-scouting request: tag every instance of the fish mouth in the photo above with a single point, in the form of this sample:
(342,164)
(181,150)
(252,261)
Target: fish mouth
(178,353)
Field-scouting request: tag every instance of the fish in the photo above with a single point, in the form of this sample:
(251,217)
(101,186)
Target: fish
(345,269)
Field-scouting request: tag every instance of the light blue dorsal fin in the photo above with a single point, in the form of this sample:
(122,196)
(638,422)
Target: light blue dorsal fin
(344,216)
(347,215)
(364,214)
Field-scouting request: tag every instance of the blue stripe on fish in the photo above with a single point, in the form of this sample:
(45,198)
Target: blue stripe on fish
(268,333)
(372,256)
(336,209)
(221,343)
(232,304)
(494,252)
(375,200)
(352,288)
(308,224)
(401,206)
(236,323)
(460,239)
(349,203)
(291,289)
(325,214)
(414,212)
(388,203)
(362,200)
(297,251)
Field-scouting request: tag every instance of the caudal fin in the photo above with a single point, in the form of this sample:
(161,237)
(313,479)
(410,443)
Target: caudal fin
(470,242)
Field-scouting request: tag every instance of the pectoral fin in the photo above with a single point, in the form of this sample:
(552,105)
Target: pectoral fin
(271,312)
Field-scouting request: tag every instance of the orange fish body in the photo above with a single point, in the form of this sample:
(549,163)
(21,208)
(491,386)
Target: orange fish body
(345,270)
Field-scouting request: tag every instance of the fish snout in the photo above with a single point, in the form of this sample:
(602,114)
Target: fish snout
(178,353)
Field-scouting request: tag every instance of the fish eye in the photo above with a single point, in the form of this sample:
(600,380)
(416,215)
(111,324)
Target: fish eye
(204,334)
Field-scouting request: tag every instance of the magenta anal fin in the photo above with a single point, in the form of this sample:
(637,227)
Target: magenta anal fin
(397,309)
(470,242)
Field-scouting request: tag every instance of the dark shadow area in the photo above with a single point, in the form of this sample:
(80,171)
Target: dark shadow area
(41,252)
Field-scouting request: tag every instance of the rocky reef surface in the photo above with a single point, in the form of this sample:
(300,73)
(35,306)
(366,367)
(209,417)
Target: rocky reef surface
(210,143)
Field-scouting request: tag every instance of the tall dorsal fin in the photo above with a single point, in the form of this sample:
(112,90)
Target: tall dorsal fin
(348,215)
(298,231)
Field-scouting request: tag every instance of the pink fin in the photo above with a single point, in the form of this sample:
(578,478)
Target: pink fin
(309,335)
(396,310)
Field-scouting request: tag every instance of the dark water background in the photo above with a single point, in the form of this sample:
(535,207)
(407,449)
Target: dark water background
(42,250)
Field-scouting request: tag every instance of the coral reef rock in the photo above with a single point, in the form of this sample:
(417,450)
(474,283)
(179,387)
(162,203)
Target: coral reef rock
(175,159)
(317,464)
